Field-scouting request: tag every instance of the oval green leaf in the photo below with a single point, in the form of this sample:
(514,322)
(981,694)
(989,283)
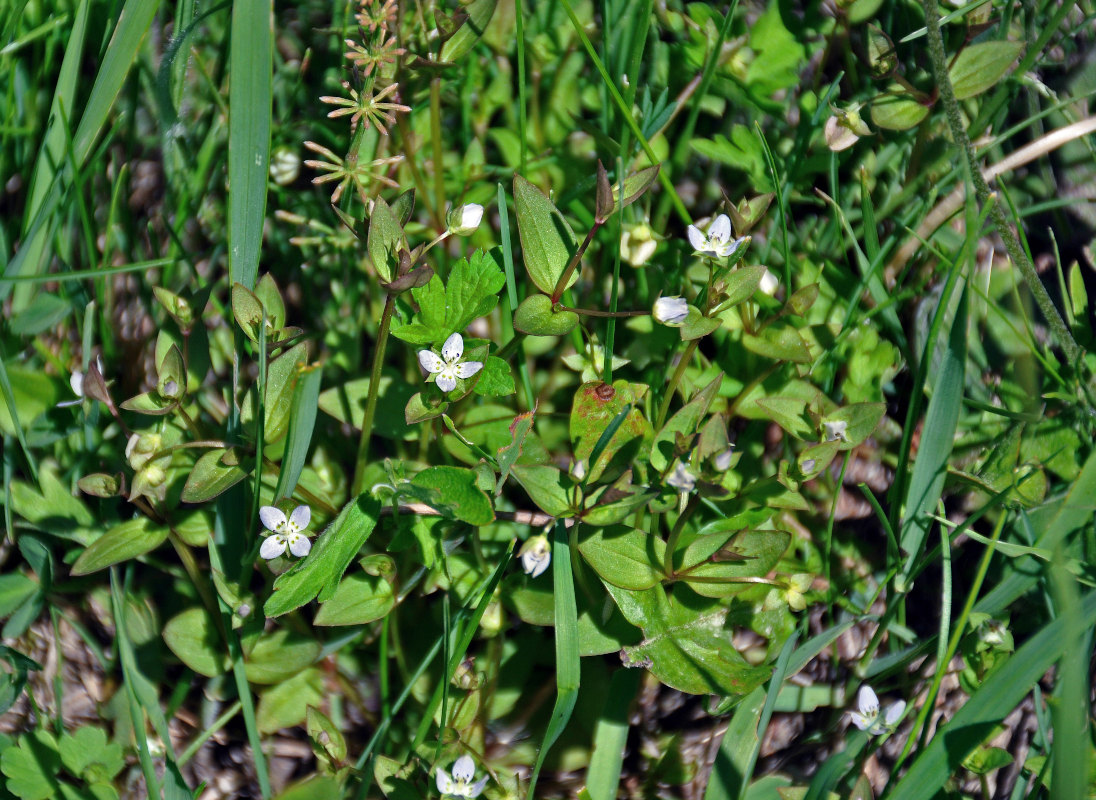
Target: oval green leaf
(547,241)
(121,543)
(536,317)
(360,598)
(982,65)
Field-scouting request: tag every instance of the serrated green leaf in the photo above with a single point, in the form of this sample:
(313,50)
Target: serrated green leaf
(471,291)
(495,379)
(31,766)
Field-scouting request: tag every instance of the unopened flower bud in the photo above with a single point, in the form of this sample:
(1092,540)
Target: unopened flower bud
(285,165)
(465,219)
(671,311)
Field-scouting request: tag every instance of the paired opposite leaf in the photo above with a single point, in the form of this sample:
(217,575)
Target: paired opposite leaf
(547,241)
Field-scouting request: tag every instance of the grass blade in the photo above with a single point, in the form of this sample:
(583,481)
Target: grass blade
(996,698)
(941,421)
(611,736)
(567,659)
(302,420)
(250,103)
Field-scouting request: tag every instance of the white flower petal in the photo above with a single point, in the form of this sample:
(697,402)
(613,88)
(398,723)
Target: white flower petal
(300,517)
(76,381)
(894,712)
(720,231)
(68,403)
(697,239)
(430,361)
(541,566)
(867,701)
(470,216)
(299,545)
(672,311)
(453,348)
(769,283)
(447,380)
(464,769)
(466,369)
(272,547)
(860,721)
(441,778)
(477,787)
(273,518)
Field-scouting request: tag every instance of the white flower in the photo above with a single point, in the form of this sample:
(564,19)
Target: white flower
(671,311)
(836,430)
(769,283)
(681,479)
(536,555)
(287,532)
(460,785)
(866,718)
(718,243)
(452,367)
(722,461)
(465,219)
(285,165)
(637,244)
(76,381)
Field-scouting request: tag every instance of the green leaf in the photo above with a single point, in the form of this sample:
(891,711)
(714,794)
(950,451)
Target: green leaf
(625,557)
(547,242)
(346,403)
(44,312)
(268,294)
(281,378)
(455,494)
(495,379)
(86,753)
(279,655)
(326,736)
(595,406)
(897,110)
(248,311)
(635,185)
(320,572)
(510,453)
(547,487)
(862,419)
(979,66)
(685,421)
(32,766)
(789,413)
(121,543)
(215,472)
(478,15)
(715,564)
(780,342)
(384,240)
(15,588)
(33,391)
(471,291)
(286,704)
(192,636)
(687,649)
(250,100)
(302,420)
(742,151)
(697,326)
(420,408)
(360,598)
(536,316)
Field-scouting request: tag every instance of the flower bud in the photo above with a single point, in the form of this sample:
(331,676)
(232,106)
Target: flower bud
(141,446)
(465,219)
(285,165)
(769,283)
(671,311)
(637,244)
(536,555)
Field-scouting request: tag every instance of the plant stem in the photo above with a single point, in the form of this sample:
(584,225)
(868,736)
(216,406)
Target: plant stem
(561,284)
(671,389)
(1073,351)
(589,312)
(374,389)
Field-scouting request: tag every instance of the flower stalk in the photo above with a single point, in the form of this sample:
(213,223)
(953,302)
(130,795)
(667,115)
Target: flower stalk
(374,388)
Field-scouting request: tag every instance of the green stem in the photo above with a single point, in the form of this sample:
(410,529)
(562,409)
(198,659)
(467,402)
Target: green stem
(561,284)
(671,389)
(374,388)
(589,312)
(938,59)
(675,534)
